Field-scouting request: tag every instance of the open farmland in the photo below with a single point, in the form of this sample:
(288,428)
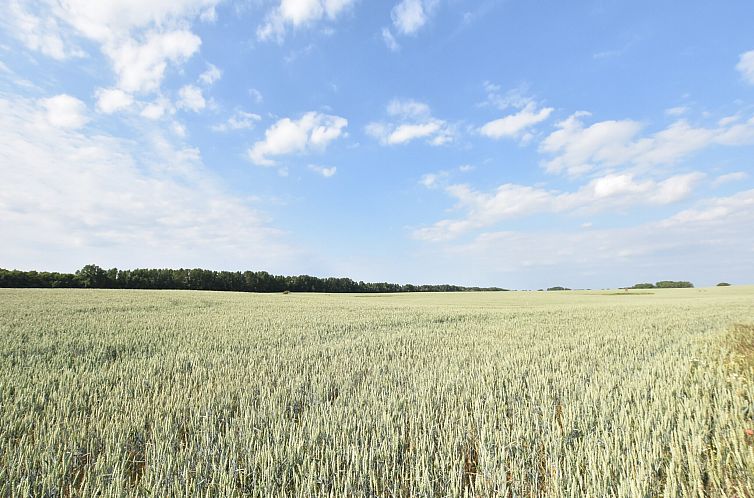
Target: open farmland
(472,394)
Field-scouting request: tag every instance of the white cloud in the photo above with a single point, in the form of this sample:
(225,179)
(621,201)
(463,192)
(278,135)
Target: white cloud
(579,149)
(141,66)
(118,19)
(409,16)
(71,197)
(256,95)
(517,97)
(415,121)
(510,201)
(732,132)
(686,246)
(211,75)
(745,66)
(139,37)
(191,98)
(299,13)
(514,125)
(390,41)
(433,180)
(240,120)
(65,111)
(209,15)
(38,32)
(408,109)
(110,100)
(408,132)
(677,111)
(325,171)
(736,176)
(313,131)
(717,210)
(157,109)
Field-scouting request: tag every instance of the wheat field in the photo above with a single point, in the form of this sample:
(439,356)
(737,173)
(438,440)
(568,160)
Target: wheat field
(563,394)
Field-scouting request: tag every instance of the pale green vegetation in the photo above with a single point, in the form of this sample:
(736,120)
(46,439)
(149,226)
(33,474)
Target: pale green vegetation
(579,394)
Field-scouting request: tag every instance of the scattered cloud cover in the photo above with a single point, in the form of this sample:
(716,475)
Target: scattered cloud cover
(412,120)
(110,100)
(299,13)
(128,126)
(650,250)
(510,201)
(578,149)
(211,75)
(191,98)
(746,66)
(312,132)
(408,18)
(730,178)
(139,38)
(95,197)
(389,39)
(324,171)
(65,111)
(516,125)
(240,120)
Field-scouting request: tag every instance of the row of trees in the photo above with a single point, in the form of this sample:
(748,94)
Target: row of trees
(92,276)
(665,284)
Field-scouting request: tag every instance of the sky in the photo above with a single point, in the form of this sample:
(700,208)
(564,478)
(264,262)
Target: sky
(500,143)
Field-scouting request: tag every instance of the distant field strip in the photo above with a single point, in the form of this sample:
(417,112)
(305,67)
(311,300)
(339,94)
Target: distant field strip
(567,394)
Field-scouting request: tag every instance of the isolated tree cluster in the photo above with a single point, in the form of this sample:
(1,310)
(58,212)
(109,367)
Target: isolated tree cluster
(665,284)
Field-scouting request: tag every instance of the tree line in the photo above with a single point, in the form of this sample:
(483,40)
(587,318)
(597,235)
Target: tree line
(94,277)
(665,284)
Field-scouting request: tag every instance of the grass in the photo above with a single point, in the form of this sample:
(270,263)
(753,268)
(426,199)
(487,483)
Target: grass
(471,394)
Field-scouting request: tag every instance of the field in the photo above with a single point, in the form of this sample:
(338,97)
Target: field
(573,394)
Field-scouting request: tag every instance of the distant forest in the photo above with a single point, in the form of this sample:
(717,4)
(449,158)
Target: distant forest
(94,277)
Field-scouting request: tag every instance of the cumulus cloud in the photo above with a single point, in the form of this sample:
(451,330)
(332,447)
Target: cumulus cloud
(516,125)
(578,149)
(191,98)
(110,100)
(299,13)
(745,66)
(140,38)
(141,66)
(211,75)
(408,18)
(64,111)
(412,120)
(157,109)
(313,131)
(510,201)
(240,120)
(71,196)
(324,171)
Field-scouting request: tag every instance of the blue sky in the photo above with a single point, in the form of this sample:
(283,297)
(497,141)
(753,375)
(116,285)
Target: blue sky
(508,143)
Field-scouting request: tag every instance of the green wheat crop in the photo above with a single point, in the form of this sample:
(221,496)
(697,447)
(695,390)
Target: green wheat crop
(572,394)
